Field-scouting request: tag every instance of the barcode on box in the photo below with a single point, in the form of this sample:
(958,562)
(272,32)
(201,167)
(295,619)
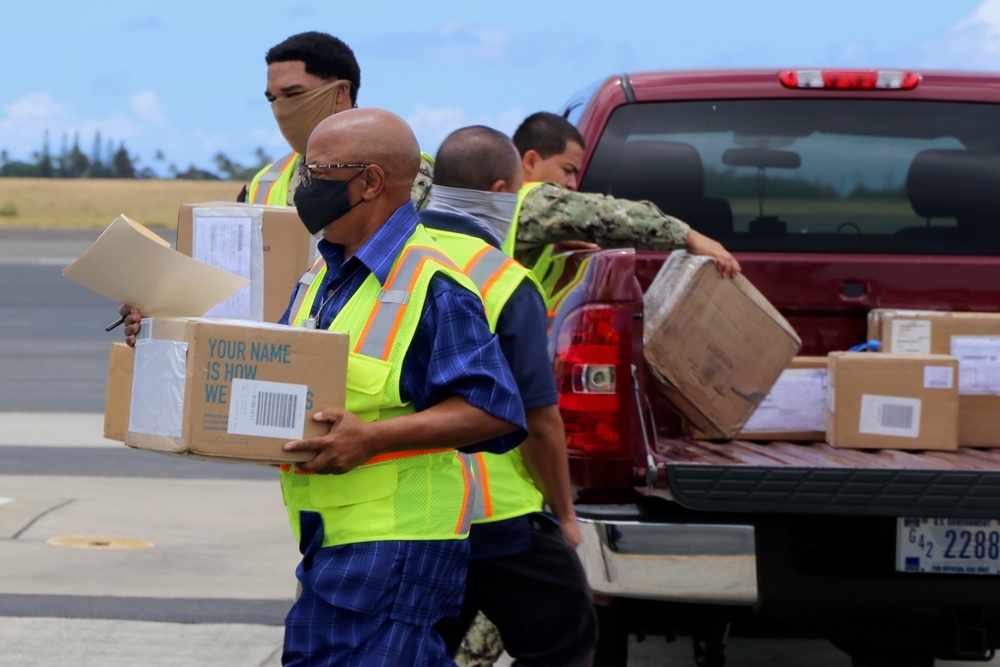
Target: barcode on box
(276,409)
(267,409)
(890,415)
(897,416)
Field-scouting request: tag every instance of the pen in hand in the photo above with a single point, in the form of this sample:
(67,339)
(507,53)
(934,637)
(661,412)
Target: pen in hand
(115,325)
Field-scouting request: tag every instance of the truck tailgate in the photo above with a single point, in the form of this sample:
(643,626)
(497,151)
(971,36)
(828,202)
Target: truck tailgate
(815,478)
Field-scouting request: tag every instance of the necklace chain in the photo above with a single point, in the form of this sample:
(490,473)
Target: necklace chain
(330,293)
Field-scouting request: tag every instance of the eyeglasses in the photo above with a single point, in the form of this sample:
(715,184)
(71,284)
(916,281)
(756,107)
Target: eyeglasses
(306,170)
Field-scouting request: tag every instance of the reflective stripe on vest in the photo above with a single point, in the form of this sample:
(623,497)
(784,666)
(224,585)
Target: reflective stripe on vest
(497,276)
(380,331)
(264,188)
(425,494)
(541,266)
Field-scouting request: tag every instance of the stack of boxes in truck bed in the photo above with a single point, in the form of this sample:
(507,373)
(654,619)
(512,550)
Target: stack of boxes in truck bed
(233,385)
(973,339)
(724,358)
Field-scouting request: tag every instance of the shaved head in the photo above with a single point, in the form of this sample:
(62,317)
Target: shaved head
(370,136)
(384,145)
(475,157)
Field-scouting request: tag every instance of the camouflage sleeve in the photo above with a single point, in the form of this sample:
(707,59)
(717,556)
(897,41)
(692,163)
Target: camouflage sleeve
(481,646)
(421,190)
(551,214)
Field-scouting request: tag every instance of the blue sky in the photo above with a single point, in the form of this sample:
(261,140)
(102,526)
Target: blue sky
(187,78)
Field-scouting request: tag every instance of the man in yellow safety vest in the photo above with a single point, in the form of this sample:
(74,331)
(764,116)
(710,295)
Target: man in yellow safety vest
(523,573)
(310,75)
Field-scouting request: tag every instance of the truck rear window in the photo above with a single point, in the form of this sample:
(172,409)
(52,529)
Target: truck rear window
(819,175)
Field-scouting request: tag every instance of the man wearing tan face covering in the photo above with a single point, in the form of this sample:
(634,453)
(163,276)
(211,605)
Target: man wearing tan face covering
(311,76)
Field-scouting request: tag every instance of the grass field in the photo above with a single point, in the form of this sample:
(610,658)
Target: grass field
(94,203)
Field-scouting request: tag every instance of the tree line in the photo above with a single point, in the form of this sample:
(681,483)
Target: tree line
(106,160)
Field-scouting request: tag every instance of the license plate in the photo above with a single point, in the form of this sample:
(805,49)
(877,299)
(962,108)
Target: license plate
(948,546)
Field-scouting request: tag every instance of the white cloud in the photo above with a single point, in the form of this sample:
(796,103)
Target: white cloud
(985,21)
(33,108)
(433,124)
(147,107)
(24,122)
(270,140)
(464,42)
(972,43)
(454,42)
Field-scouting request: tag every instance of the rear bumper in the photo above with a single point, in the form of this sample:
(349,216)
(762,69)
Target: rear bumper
(696,563)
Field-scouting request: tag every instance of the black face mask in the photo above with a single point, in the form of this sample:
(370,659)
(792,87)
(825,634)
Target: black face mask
(323,202)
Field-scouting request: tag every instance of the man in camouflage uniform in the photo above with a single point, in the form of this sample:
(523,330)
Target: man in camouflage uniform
(554,213)
(310,76)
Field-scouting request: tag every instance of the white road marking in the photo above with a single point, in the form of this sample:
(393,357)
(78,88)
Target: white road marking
(54,429)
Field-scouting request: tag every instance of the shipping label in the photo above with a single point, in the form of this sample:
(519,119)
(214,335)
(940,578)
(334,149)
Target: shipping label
(978,364)
(938,377)
(890,415)
(911,337)
(795,403)
(225,242)
(267,409)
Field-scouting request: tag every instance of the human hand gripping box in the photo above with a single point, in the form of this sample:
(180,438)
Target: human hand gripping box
(227,390)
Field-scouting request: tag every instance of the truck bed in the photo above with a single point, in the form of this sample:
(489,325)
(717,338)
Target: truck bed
(815,478)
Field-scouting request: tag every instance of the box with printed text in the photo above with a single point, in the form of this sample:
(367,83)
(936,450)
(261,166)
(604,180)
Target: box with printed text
(268,245)
(973,339)
(224,389)
(892,401)
(714,346)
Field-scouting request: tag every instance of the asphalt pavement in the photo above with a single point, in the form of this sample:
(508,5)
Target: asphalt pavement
(178,567)
(111,556)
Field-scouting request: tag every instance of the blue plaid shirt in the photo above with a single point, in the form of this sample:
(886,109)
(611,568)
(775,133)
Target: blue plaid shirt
(452,353)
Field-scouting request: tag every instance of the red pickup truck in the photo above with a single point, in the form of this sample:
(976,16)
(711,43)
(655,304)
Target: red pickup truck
(839,192)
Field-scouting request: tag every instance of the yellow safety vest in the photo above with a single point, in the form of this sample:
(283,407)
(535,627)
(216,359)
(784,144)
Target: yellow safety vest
(270,185)
(412,495)
(549,267)
(544,261)
(504,488)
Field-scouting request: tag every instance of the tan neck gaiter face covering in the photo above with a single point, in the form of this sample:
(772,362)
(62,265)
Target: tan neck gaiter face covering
(298,116)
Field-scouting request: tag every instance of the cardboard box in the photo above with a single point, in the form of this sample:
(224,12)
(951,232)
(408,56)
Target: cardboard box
(974,340)
(119,391)
(267,244)
(795,408)
(714,346)
(225,389)
(892,401)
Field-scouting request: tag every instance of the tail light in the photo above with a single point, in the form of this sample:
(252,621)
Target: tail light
(849,79)
(593,377)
